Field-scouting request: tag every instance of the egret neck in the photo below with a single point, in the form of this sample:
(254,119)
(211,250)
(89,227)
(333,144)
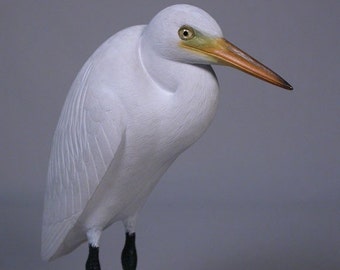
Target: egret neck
(190,90)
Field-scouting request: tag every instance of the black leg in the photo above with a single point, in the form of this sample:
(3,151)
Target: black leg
(92,262)
(129,253)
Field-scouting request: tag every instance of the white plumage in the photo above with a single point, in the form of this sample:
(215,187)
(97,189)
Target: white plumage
(139,101)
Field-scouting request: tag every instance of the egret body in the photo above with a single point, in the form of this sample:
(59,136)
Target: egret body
(142,98)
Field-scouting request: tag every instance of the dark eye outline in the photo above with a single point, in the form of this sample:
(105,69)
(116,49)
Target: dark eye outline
(186,32)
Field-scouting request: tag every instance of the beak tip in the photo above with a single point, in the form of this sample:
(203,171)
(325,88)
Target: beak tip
(287,86)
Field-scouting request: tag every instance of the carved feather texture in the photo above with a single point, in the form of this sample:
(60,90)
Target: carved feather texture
(87,136)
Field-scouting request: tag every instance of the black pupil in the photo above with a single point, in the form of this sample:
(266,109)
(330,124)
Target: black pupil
(186,33)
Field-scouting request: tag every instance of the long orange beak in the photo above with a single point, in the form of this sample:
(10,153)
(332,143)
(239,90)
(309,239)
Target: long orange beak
(225,53)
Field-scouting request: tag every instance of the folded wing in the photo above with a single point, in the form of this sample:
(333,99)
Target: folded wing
(89,131)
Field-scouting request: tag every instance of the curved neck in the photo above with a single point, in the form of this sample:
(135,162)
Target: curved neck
(188,81)
(161,70)
(192,96)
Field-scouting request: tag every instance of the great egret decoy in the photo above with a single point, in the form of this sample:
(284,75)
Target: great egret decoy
(142,98)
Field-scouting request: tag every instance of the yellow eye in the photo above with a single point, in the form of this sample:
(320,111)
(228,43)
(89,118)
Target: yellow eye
(186,32)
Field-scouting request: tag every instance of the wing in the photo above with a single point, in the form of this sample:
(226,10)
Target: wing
(88,134)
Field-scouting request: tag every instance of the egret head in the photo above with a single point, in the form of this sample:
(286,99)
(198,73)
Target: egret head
(177,25)
(188,34)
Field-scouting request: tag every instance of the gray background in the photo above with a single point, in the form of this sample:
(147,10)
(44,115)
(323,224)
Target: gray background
(260,190)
